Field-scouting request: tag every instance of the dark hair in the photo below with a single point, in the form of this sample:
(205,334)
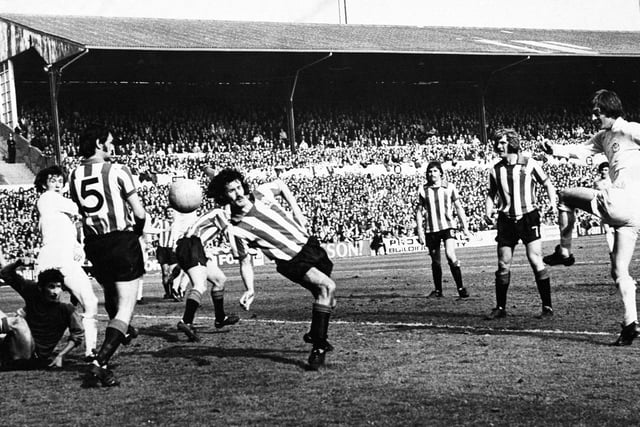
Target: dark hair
(43,175)
(602,166)
(217,188)
(434,164)
(608,103)
(512,139)
(89,137)
(52,275)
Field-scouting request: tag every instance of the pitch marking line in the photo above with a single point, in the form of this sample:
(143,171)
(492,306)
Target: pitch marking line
(396,324)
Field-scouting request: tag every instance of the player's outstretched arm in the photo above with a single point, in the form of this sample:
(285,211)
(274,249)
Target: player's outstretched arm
(279,188)
(57,361)
(139,214)
(246,273)
(631,129)
(419,223)
(489,210)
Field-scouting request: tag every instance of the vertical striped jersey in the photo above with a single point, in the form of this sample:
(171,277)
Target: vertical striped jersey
(164,225)
(515,185)
(437,203)
(267,226)
(207,227)
(101,189)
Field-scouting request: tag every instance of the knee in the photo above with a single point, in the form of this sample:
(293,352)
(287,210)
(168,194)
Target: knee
(327,288)
(503,274)
(503,268)
(454,264)
(541,274)
(217,282)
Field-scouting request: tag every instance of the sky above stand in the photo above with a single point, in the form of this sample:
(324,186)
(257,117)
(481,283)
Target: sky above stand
(622,15)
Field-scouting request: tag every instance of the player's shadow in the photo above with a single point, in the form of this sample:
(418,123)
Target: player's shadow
(492,328)
(167,332)
(202,353)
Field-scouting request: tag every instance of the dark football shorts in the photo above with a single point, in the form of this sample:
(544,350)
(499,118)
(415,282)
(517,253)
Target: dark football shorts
(166,255)
(190,252)
(115,256)
(432,240)
(311,255)
(510,230)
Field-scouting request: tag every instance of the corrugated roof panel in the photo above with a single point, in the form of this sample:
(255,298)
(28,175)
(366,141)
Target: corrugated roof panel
(168,34)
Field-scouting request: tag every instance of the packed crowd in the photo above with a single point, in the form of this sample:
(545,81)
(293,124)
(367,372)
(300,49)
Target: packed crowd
(340,207)
(161,133)
(148,121)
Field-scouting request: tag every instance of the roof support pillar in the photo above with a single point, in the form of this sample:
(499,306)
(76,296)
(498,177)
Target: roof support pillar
(290,115)
(54,73)
(483,91)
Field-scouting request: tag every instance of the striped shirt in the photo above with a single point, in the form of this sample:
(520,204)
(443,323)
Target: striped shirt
(207,226)
(101,189)
(515,185)
(437,202)
(164,225)
(267,226)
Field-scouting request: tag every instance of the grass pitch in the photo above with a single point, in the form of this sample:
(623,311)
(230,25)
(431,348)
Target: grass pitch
(400,359)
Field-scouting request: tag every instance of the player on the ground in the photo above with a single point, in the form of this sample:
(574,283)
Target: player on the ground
(201,270)
(512,184)
(617,205)
(261,222)
(113,220)
(28,340)
(436,201)
(61,249)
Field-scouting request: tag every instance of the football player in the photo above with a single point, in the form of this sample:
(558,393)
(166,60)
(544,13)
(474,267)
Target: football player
(113,219)
(259,221)
(436,201)
(512,185)
(61,249)
(30,338)
(618,205)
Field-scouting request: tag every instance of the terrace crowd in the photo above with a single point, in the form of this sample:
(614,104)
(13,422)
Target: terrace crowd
(182,138)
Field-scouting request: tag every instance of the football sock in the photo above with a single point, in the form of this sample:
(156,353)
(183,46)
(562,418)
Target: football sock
(194,298)
(218,304)
(543,282)
(436,269)
(111,303)
(320,315)
(502,286)
(456,273)
(627,287)
(112,339)
(140,288)
(4,325)
(90,334)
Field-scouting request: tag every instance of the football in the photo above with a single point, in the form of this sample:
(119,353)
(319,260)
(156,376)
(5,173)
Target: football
(185,195)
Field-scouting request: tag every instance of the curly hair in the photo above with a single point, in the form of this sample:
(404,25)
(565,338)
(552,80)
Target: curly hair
(52,275)
(217,188)
(43,175)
